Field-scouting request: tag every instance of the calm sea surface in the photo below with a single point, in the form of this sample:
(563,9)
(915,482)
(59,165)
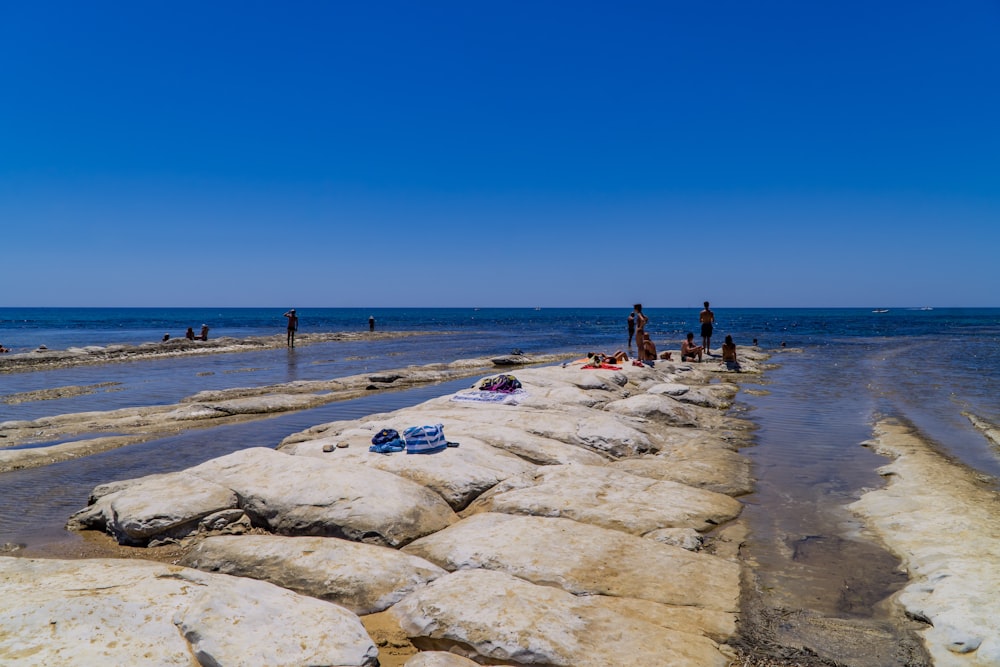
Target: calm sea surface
(848,367)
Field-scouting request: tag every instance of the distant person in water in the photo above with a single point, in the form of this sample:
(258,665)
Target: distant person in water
(630,323)
(293,326)
(4,350)
(371,323)
(707,319)
(729,355)
(204,332)
(689,350)
(189,334)
(166,336)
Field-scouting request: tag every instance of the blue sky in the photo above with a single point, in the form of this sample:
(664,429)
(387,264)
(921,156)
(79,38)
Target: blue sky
(326,154)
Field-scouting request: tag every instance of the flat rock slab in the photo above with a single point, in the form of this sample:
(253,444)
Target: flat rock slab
(610,498)
(128,612)
(655,407)
(707,463)
(493,616)
(301,495)
(584,560)
(170,504)
(457,474)
(287,495)
(361,577)
(943,523)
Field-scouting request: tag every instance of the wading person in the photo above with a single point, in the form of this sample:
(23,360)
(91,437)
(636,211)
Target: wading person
(293,326)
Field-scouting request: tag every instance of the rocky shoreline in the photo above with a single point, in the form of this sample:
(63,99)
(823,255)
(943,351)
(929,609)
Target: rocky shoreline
(943,521)
(43,358)
(592,519)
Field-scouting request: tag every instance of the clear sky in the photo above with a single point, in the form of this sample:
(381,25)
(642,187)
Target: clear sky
(325,154)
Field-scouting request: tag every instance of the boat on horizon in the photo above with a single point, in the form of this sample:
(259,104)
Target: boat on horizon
(881,310)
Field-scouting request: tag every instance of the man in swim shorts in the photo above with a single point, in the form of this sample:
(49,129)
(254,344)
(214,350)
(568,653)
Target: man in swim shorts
(707,319)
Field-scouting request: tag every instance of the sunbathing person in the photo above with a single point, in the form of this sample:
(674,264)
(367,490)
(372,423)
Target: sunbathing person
(596,359)
(729,355)
(689,350)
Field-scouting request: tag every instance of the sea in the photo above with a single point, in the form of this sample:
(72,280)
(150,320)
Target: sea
(834,374)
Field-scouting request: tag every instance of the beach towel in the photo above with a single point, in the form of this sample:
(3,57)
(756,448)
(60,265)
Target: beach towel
(478,396)
(506,384)
(389,447)
(425,439)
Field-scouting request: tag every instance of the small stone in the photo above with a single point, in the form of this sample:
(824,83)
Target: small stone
(342,445)
(328,447)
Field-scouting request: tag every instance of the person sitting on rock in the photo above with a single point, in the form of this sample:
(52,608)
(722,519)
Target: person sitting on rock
(689,350)
(189,334)
(729,355)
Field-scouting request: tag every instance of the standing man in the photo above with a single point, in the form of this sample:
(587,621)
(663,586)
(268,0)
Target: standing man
(707,319)
(631,328)
(293,326)
(371,323)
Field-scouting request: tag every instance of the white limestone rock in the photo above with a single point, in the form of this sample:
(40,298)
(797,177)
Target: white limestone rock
(492,616)
(941,521)
(668,389)
(704,462)
(361,577)
(685,538)
(170,505)
(127,612)
(301,495)
(583,559)
(458,474)
(610,498)
(655,407)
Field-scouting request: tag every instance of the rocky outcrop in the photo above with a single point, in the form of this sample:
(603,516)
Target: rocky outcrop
(361,577)
(114,612)
(610,498)
(931,515)
(494,616)
(585,531)
(583,560)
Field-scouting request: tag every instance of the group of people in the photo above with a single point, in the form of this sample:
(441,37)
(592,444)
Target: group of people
(645,348)
(690,351)
(190,334)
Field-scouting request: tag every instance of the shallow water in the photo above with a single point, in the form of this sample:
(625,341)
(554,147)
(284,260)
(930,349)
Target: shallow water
(36,502)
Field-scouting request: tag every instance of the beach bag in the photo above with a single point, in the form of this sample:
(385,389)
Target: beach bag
(384,436)
(506,384)
(425,439)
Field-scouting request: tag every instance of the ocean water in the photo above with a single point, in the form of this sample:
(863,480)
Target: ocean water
(839,371)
